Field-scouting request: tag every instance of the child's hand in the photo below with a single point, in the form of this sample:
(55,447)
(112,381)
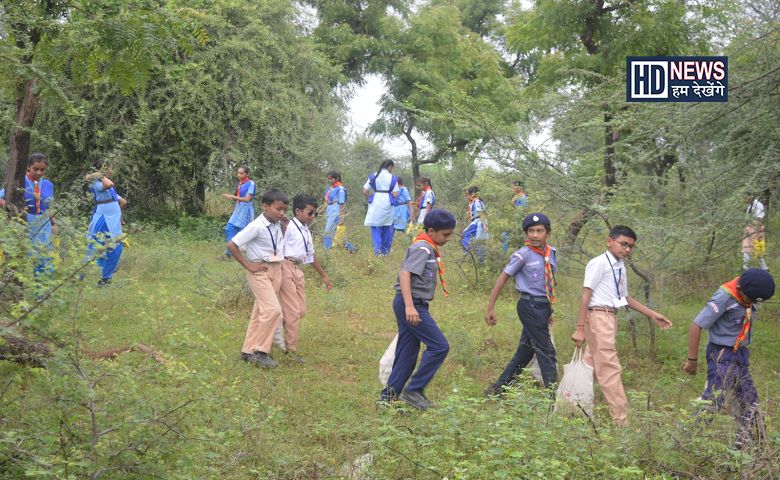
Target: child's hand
(257,267)
(662,321)
(490,317)
(328,285)
(579,336)
(412,316)
(690,367)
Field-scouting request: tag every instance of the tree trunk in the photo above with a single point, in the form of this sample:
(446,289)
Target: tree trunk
(415,160)
(19,147)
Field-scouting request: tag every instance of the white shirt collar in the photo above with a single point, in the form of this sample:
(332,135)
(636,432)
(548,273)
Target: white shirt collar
(615,262)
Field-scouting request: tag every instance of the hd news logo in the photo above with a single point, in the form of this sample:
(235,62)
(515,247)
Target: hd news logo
(677,79)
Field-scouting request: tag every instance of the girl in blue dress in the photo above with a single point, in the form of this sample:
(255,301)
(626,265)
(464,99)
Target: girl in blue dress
(477,228)
(38,195)
(403,208)
(380,190)
(335,198)
(105,227)
(244,211)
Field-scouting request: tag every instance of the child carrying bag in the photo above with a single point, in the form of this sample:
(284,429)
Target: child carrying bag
(575,392)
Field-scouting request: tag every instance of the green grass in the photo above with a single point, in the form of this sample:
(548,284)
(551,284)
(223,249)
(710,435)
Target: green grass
(309,421)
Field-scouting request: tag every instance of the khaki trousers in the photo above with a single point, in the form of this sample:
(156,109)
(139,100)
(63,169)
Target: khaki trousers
(267,311)
(601,354)
(293,299)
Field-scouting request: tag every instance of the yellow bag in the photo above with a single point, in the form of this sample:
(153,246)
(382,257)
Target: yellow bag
(759,248)
(341,233)
(410,228)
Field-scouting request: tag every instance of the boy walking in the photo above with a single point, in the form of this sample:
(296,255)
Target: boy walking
(259,248)
(414,290)
(533,268)
(298,250)
(605,291)
(728,317)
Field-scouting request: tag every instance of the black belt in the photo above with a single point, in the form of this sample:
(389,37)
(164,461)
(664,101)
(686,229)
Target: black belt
(534,298)
(103,202)
(293,260)
(602,309)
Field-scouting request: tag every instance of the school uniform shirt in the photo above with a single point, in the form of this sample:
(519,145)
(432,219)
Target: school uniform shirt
(257,240)
(520,201)
(722,316)
(401,210)
(380,210)
(298,243)
(756,209)
(244,212)
(38,222)
(109,213)
(334,196)
(527,268)
(420,261)
(605,275)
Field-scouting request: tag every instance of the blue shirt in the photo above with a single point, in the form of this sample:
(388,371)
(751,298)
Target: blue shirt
(527,268)
(722,316)
(102,194)
(244,212)
(520,201)
(47,195)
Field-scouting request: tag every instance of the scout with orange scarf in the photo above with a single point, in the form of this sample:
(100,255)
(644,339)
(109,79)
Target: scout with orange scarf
(414,290)
(426,200)
(335,198)
(729,316)
(533,268)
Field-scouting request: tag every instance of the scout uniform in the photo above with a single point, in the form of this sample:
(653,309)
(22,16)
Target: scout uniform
(335,196)
(105,226)
(401,210)
(380,210)
(243,212)
(427,197)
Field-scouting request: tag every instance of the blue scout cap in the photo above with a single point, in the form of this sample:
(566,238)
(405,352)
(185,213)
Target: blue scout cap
(439,219)
(533,219)
(758,285)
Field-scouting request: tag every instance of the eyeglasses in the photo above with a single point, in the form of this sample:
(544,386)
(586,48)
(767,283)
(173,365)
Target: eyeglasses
(311,213)
(627,246)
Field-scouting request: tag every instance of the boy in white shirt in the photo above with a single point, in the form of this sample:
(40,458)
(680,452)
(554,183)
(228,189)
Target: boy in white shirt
(605,291)
(259,248)
(298,250)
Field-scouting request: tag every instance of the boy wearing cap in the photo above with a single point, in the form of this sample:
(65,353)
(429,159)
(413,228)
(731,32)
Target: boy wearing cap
(414,290)
(605,291)
(728,317)
(533,268)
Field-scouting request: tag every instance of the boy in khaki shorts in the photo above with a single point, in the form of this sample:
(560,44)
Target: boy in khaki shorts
(605,291)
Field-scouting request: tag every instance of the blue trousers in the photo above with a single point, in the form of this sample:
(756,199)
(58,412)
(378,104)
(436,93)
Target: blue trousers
(382,239)
(230,232)
(469,236)
(408,347)
(110,258)
(535,340)
(331,222)
(728,370)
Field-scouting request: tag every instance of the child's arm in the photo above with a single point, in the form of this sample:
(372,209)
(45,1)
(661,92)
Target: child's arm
(405,280)
(229,196)
(579,333)
(122,202)
(250,266)
(323,275)
(661,320)
(694,333)
(490,314)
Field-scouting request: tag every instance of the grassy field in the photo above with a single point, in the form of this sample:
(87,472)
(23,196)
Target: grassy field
(205,414)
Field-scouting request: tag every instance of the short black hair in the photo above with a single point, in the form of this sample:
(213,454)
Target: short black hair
(518,183)
(274,195)
(244,168)
(334,174)
(400,180)
(37,157)
(621,230)
(472,190)
(424,181)
(301,200)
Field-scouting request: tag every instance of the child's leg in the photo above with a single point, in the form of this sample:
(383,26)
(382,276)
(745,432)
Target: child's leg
(387,239)
(600,332)
(331,222)
(266,312)
(293,300)
(406,350)
(535,317)
(111,260)
(435,352)
(376,240)
(467,235)
(230,232)
(522,356)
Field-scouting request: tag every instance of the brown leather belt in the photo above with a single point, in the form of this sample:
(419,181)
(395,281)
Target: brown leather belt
(293,260)
(602,309)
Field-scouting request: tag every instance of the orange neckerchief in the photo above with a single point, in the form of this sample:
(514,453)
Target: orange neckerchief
(337,183)
(422,192)
(241,182)
(36,195)
(424,237)
(731,289)
(549,276)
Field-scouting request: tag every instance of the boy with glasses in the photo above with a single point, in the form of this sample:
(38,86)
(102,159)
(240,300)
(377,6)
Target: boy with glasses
(298,250)
(605,291)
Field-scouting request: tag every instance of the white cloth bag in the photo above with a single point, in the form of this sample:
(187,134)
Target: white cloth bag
(533,367)
(386,362)
(576,388)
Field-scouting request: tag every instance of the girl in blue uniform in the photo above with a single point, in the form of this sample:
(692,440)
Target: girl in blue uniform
(477,227)
(38,195)
(403,208)
(380,190)
(105,227)
(244,211)
(335,198)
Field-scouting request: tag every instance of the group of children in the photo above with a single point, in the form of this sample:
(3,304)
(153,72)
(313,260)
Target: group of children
(105,227)
(728,316)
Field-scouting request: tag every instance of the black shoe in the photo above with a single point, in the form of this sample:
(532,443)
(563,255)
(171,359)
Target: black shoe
(415,399)
(104,282)
(387,395)
(493,390)
(261,359)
